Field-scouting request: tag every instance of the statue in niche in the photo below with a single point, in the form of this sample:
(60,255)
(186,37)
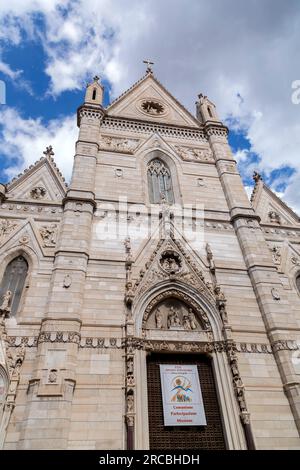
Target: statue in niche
(192,320)
(173,318)
(6,301)
(158,319)
(186,322)
(130,403)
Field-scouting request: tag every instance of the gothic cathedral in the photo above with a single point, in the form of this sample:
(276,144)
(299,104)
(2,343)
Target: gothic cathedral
(148,304)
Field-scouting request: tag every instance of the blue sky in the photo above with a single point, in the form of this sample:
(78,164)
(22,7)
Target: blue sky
(244,60)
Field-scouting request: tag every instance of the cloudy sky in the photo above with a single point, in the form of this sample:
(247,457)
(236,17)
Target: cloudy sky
(243,54)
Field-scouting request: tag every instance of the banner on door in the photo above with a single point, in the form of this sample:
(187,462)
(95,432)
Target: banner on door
(181,395)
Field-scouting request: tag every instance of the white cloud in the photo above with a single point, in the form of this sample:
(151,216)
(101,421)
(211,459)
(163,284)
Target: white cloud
(23,141)
(241,54)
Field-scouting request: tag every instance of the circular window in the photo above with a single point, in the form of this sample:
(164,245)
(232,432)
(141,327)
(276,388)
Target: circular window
(152,107)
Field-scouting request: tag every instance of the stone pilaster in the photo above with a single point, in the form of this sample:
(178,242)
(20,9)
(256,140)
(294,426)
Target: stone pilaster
(54,376)
(276,312)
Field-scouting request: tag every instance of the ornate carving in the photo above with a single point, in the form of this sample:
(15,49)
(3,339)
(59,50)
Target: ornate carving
(67,282)
(52,378)
(284,345)
(276,254)
(116,144)
(170,261)
(15,360)
(152,107)
(210,258)
(48,234)
(275,294)
(295,260)
(38,192)
(6,227)
(274,217)
(25,239)
(194,154)
(5,306)
(238,385)
(176,310)
(221,304)
(119,124)
(59,337)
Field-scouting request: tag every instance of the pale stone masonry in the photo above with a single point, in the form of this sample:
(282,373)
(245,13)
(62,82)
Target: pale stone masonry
(100,290)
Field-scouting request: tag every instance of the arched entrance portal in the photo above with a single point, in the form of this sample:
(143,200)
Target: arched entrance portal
(209,436)
(175,324)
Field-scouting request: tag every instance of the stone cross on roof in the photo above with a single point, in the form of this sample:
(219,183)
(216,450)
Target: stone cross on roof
(49,151)
(149,63)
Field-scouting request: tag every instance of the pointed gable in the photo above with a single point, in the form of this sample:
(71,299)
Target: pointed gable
(270,207)
(149,100)
(41,182)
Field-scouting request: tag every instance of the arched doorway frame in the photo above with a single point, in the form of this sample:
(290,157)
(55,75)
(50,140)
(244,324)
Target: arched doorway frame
(232,427)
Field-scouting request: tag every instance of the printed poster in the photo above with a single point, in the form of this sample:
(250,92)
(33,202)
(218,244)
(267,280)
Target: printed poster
(181,395)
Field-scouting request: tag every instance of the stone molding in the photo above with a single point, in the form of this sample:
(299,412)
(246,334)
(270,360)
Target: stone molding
(148,128)
(151,345)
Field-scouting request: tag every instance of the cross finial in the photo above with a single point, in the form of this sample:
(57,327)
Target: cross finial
(256,177)
(96,78)
(49,151)
(148,63)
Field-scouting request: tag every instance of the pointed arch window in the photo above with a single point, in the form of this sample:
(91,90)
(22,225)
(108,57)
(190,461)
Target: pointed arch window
(13,282)
(159,181)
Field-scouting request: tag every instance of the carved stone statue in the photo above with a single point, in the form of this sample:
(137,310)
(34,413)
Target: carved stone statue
(130,403)
(186,322)
(210,257)
(173,318)
(276,255)
(192,320)
(6,303)
(158,319)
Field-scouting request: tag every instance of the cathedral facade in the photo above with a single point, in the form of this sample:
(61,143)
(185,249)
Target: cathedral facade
(152,260)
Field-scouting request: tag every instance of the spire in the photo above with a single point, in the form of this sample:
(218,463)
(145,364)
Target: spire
(94,92)
(206,110)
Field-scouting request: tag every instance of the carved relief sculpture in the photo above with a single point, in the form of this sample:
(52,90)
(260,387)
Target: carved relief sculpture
(115,144)
(6,227)
(194,154)
(274,217)
(48,234)
(276,254)
(38,192)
